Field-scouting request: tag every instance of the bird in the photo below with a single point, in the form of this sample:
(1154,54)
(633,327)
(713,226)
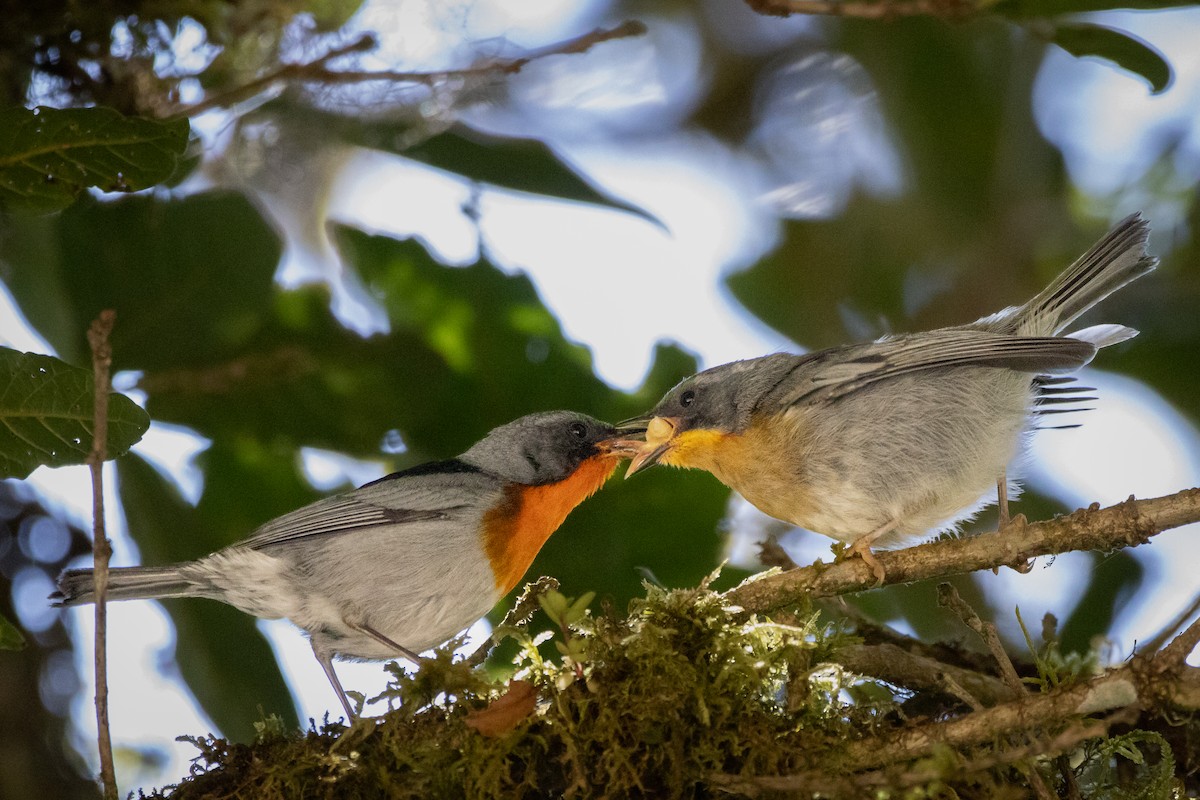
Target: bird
(403,563)
(876,443)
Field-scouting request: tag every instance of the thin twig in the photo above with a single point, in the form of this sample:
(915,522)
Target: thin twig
(898,666)
(101,550)
(240,94)
(948,597)
(1125,524)
(1175,654)
(1155,642)
(318,71)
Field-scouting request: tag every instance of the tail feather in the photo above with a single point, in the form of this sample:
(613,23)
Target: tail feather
(1116,260)
(1104,335)
(78,586)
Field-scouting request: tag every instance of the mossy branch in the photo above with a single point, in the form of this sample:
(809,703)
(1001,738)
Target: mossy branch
(1056,720)
(1126,524)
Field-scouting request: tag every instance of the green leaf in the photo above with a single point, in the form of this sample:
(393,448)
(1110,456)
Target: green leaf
(523,165)
(1122,48)
(46,408)
(48,156)
(10,637)
(223,657)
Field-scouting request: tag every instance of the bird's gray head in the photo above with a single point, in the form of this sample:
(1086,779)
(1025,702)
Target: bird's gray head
(540,448)
(722,398)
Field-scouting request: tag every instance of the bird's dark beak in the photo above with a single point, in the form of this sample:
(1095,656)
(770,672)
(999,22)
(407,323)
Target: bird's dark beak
(660,437)
(634,425)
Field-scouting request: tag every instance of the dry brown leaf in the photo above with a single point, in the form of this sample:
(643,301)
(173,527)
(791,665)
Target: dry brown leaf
(503,714)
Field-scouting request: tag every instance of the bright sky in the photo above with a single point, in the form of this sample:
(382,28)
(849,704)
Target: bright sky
(709,199)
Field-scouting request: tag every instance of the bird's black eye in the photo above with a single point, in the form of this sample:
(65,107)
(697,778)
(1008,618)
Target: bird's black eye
(578,430)
(687,398)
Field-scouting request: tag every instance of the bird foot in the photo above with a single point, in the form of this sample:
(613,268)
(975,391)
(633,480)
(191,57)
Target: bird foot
(862,548)
(1015,524)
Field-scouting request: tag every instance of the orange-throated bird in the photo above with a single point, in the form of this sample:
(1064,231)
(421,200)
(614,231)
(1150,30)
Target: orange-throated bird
(405,562)
(877,442)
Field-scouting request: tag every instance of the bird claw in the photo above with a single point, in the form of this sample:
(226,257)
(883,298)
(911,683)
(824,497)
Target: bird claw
(863,550)
(1017,523)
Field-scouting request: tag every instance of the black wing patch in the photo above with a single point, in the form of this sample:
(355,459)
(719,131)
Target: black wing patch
(431,468)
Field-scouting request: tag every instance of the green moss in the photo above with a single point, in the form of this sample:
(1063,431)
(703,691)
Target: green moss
(679,698)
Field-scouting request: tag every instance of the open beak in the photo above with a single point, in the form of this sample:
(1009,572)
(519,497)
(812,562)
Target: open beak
(627,440)
(660,435)
(621,446)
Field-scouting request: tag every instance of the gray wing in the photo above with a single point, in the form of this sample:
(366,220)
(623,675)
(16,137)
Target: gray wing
(383,503)
(829,375)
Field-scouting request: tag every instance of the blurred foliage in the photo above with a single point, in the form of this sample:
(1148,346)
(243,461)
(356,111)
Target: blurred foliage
(10,636)
(1083,39)
(983,215)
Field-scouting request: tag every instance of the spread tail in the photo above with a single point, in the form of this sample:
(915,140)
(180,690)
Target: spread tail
(77,586)
(1116,260)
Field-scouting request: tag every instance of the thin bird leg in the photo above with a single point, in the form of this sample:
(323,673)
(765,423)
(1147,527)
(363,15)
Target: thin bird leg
(367,630)
(326,662)
(1002,499)
(862,546)
(1005,520)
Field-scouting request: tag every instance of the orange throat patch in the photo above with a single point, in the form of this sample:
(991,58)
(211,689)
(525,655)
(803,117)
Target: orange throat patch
(515,531)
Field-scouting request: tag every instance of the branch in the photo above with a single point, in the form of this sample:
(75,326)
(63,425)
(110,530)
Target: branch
(898,666)
(101,550)
(919,774)
(1125,524)
(1057,720)
(883,9)
(318,71)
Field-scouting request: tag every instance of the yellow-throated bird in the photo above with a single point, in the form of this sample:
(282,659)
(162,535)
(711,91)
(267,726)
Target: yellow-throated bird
(878,442)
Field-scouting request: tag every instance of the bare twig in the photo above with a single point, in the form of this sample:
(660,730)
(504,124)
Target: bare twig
(1155,642)
(318,70)
(101,550)
(899,666)
(948,597)
(881,9)
(1176,652)
(1125,524)
(240,94)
